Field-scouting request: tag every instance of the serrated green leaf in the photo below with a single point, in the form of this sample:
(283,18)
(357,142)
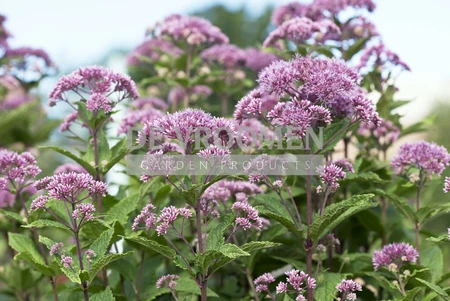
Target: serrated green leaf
(74,157)
(326,286)
(218,258)
(442,238)
(118,152)
(12,215)
(338,212)
(104,261)
(400,203)
(433,259)
(427,212)
(43,223)
(411,294)
(84,276)
(215,236)
(122,209)
(153,245)
(100,245)
(438,290)
(106,295)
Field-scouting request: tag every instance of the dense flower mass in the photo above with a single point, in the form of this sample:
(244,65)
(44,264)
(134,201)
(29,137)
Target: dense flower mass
(447,184)
(224,190)
(96,85)
(297,282)
(299,30)
(160,223)
(179,94)
(386,132)
(69,167)
(149,103)
(428,157)
(191,30)
(336,6)
(394,254)
(70,186)
(289,11)
(258,59)
(18,169)
(56,248)
(227,55)
(262,282)
(167,281)
(138,117)
(28,53)
(152,50)
(246,216)
(378,57)
(348,288)
(331,174)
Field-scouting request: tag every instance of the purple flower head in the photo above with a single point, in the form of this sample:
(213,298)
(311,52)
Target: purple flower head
(427,157)
(97,85)
(296,282)
(396,253)
(348,288)
(330,174)
(135,118)
(69,167)
(386,132)
(345,164)
(251,133)
(246,216)
(90,254)
(84,211)
(257,59)
(249,105)
(262,282)
(215,154)
(149,103)
(226,55)
(152,50)
(167,281)
(355,29)
(66,261)
(223,190)
(146,217)
(3,183)
(7,199)
(378,57)
(26,63)
(69,186)
(447,184)
(14,99)
(68,120)
(334,7)
(299,30)
(39,202)
(56,248)
(191,30)
(168,216)
(18,168)
(289,11)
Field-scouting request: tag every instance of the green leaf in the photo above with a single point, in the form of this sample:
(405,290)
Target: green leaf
(100,245)
(411,294)
(338,212)
(427,212)
(355,48)
(438,290)
(433,259)
(219,258)
(27,251)
(84,276)
(104,261)
(12,215)
(332,134)
(326,286)
(153,245)
(122,209)
(43,223)
(273,208)
(442,238)
(106,295)
(118,152)
(215,236)
(76,158)
(400,203)
(72,275)
(258,245)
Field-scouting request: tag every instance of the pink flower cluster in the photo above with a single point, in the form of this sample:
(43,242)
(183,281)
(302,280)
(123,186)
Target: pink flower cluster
(191,30)
(162,222)
(84,211)
(27,53)
(152,50)
(178,94)
(138,117)
(70,186)
(223,190)
(144,103)
(299,30)
(427,157)
(262,282)
(69,167)
(386,132)
(56,248)
(257,60)
(297,282)
(167,281)
(96,85)
(348,288)
(330,175)
(394,254)
(67,261)
(379,57)
(447,184)
(227,55)
(17,169)
(246,216)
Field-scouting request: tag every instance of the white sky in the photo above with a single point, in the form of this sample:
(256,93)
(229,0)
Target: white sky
(77,33)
